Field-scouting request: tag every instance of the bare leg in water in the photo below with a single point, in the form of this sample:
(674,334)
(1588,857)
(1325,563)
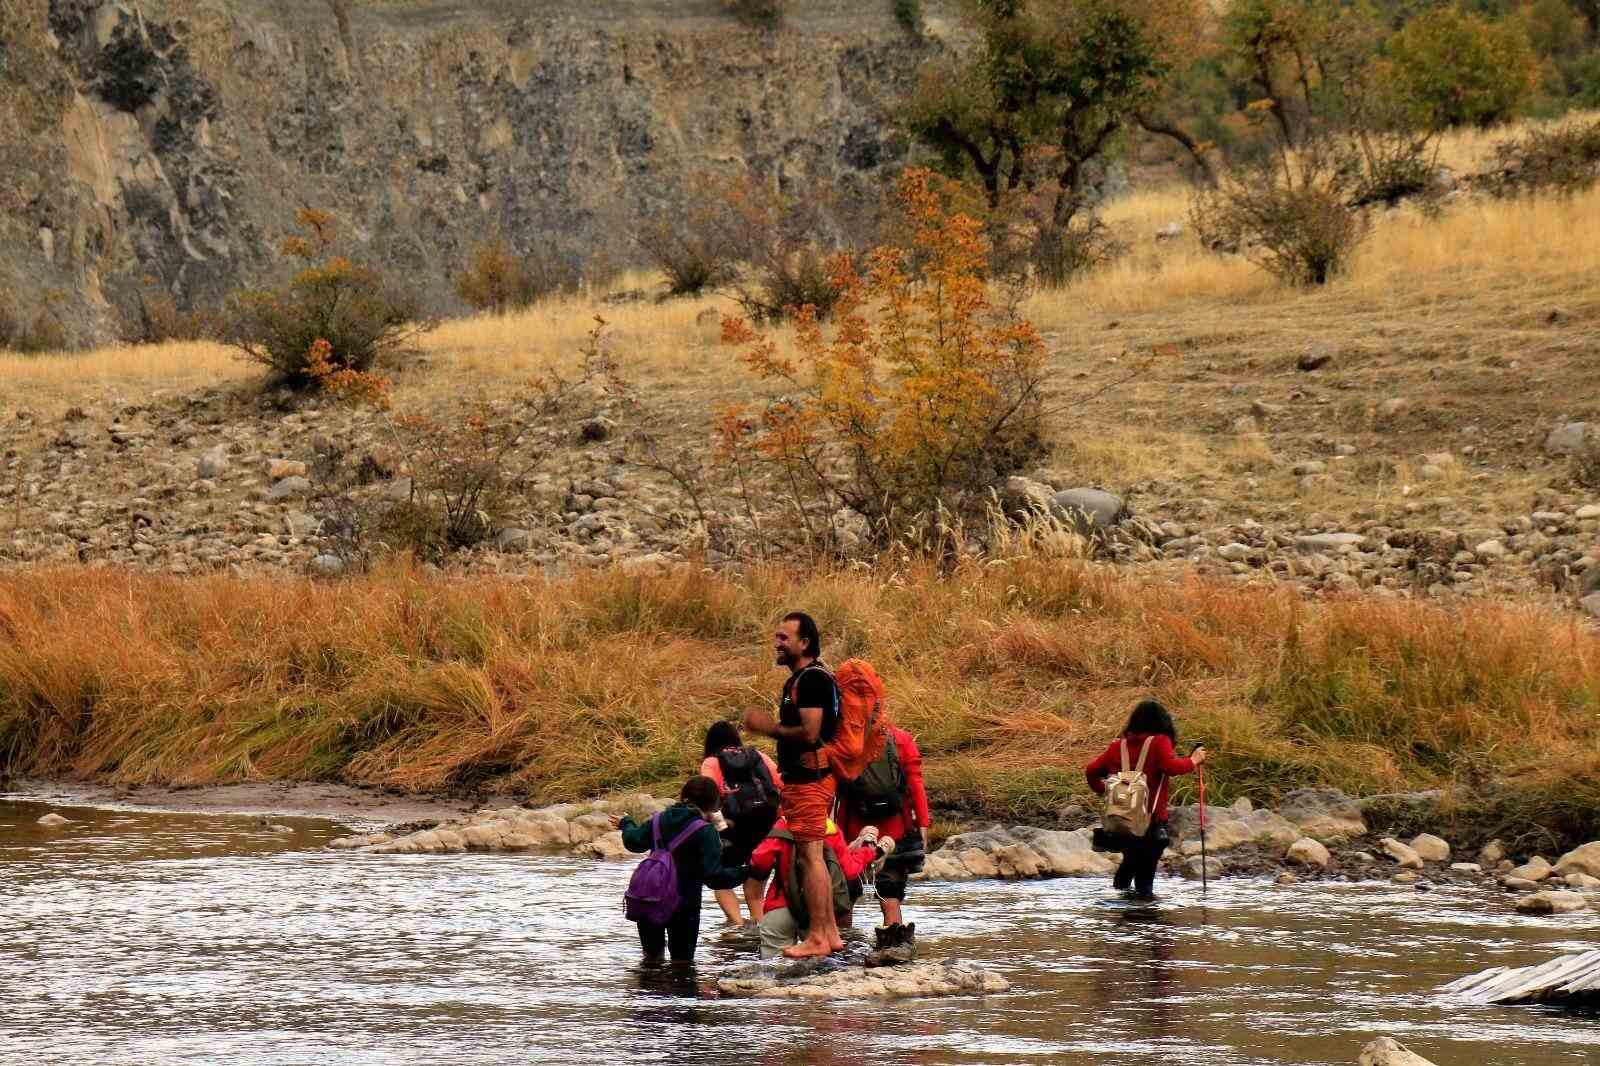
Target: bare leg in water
(823,936)
(753,898)
(729,902)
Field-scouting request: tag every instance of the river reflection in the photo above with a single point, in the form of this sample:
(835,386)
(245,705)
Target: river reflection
(135,937)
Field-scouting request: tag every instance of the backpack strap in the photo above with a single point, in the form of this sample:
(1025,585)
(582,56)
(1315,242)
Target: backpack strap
(1124,743)
(1143,753)
(690,830)
(655,832)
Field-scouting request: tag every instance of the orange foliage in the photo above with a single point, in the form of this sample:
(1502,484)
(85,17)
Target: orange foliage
(920,394)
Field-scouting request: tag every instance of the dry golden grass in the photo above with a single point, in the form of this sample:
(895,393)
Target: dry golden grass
(1012,674)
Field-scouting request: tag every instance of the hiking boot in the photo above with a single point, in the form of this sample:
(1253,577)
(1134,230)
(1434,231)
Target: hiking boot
(896,944)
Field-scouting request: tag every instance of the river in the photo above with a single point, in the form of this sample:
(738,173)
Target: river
(141,937)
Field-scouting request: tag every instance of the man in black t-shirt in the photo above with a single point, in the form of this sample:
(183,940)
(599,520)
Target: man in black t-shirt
(807,713)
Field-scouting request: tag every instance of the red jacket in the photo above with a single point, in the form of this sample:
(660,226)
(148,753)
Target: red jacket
(1160,764)
(773,854)
(896,825)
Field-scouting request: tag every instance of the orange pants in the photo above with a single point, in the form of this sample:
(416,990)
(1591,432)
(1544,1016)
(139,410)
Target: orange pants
(807,807)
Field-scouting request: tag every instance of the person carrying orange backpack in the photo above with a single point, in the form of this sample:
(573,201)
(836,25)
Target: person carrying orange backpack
(807,720)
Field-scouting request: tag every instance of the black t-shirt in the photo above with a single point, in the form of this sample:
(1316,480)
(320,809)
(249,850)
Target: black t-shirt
(811,687)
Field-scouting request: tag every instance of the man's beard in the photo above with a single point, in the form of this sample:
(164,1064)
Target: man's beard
(785,657)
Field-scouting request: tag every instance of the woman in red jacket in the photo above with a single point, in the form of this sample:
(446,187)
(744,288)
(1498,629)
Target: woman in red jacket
(1141,855)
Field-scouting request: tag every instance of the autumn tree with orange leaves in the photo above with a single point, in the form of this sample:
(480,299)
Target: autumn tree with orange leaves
(918,395)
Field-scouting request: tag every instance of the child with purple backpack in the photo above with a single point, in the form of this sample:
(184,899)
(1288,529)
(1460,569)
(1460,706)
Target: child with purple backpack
(685,852)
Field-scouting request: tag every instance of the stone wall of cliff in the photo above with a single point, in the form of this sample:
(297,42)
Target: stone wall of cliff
(165,145)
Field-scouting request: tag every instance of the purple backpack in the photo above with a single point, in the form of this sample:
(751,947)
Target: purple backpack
(652,894)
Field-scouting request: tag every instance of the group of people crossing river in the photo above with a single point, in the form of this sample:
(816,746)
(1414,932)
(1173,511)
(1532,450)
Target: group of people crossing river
(842,806)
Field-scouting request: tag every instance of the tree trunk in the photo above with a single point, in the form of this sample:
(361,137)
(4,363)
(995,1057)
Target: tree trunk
(1165,127)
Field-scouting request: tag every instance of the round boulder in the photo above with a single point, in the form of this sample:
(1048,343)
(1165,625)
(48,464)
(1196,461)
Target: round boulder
(1090,510)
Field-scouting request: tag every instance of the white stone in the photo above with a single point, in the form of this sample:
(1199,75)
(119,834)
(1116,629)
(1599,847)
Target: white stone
(1582,860)
(1401,853)
(1537,868)
(1308,852)
(1386,1051)
(54,820)
(1553,902)
(1430,848)
(1466,868)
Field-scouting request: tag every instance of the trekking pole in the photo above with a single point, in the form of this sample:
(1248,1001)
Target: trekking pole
(1205,863)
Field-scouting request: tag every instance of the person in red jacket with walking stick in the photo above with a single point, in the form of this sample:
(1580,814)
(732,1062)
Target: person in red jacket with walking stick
(1141,856)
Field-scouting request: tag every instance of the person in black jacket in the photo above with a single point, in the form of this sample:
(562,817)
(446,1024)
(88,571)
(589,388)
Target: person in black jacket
(698,861)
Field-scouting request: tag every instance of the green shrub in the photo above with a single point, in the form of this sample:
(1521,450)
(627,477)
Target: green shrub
(1457,69)
(361,315)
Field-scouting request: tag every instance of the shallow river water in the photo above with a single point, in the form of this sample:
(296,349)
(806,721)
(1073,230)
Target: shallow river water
(151,938)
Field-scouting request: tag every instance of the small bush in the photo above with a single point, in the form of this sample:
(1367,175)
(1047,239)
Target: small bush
(759,11)
(909,14)
(1290,214)
(43,333)
(361,315)
(1585,461)
(696,250)
(498,280)
(1563,159)
(785,247)
(158,319)
(1061,253)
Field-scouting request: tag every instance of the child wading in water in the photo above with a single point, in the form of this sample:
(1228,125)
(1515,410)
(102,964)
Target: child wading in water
(697,857)
(1148,743)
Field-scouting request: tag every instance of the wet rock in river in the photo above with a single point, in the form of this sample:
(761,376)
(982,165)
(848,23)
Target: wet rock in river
(586,825)
(1537,868)
(1552,902)
(1584,860)
(54,820)
(1018,853)
(808,981)
(1386,1051)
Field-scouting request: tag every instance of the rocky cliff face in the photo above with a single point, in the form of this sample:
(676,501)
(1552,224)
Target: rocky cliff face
(166,144)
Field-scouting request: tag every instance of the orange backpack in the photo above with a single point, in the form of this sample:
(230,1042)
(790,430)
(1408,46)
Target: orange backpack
(863,727)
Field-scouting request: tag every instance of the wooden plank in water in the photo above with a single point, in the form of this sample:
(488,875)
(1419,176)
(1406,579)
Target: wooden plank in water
(1555,981)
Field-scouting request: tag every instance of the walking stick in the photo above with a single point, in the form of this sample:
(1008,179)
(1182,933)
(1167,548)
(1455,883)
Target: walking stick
(1205,863)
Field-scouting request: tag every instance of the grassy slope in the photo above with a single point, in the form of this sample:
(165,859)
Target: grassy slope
(1012,675)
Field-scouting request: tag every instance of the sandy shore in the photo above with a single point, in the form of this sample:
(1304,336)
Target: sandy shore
(340,803)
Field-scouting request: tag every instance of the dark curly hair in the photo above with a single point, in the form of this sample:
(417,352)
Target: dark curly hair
(1152,719)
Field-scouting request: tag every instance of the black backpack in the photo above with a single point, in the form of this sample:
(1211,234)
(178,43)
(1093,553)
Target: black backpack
(750,796)
(881,790)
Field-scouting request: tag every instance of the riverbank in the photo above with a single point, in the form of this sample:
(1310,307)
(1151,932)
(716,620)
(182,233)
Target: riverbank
(1011,673)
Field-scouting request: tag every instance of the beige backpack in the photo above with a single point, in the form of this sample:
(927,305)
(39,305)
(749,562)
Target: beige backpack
(1128,796)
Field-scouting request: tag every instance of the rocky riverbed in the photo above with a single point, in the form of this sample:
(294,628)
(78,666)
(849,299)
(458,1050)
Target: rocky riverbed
(1312,835)
(220,480)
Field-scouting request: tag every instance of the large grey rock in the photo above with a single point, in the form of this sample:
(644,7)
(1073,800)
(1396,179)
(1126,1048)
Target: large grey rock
(213,463)
(1019,853)
(288,489)
(327,565)
(1024,496)
(1566,438)
(1090,510)
(1324,814)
